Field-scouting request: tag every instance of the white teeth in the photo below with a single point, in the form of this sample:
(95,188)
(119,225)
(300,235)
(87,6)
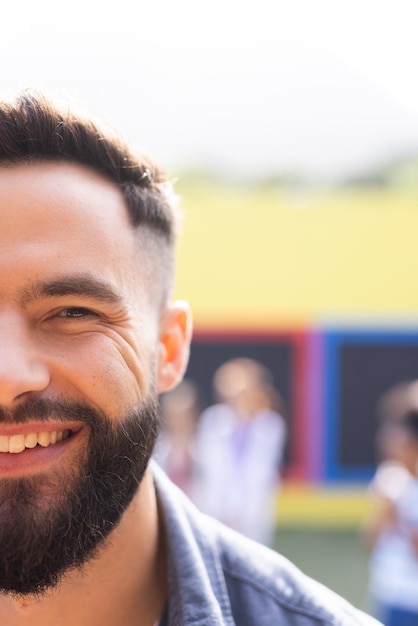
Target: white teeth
(43,439)
(31,440)
(18,443)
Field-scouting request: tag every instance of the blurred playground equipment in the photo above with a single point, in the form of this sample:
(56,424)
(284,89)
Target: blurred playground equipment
(317,284)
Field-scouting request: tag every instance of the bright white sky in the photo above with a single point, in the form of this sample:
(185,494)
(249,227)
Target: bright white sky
(259,86)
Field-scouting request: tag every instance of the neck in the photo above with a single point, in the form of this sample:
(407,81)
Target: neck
(125,584)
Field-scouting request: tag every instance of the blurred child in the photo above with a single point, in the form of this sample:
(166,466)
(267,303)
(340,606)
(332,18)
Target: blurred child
(240,448)
(176,446)
(391,530)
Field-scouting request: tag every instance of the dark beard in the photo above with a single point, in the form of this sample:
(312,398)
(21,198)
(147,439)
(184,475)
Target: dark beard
(52,525)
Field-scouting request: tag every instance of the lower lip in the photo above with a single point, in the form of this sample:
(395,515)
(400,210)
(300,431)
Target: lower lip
(35,460)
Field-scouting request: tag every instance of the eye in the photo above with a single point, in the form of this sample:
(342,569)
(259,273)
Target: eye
(76,312)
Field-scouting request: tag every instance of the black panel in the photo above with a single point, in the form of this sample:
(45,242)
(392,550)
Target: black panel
(367,371)
(277,355)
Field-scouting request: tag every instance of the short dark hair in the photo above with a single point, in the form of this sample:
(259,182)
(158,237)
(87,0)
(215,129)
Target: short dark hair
(34,128)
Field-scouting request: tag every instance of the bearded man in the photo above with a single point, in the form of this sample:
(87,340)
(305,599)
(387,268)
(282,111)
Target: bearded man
(90,531)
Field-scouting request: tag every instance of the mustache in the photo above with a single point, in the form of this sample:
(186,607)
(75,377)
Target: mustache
(46,409)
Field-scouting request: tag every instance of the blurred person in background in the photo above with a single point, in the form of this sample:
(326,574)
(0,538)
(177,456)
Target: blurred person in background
(391,528)
(176,446)
(241,441)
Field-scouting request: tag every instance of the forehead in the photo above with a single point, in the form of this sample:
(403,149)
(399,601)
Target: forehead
(62,217)
(59,191)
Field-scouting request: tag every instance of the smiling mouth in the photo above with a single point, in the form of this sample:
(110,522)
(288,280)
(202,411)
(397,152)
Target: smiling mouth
(18,443)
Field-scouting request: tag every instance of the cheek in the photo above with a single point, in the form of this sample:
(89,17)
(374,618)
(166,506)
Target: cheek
(111,372)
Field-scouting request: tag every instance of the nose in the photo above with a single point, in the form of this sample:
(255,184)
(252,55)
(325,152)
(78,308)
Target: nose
(22,369)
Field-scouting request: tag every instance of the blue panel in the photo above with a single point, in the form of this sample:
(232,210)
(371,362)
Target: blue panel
(336,341)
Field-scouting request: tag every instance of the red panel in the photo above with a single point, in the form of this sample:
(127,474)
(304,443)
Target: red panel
(298,469)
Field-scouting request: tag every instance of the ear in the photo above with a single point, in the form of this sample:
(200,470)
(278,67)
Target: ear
(174,345)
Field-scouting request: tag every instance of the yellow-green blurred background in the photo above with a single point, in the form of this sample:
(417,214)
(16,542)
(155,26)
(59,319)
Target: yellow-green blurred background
(262,256)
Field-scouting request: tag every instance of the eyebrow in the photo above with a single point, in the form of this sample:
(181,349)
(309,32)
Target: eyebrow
(84,285)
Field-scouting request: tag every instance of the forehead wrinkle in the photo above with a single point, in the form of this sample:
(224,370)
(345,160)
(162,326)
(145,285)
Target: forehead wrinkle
(84,285)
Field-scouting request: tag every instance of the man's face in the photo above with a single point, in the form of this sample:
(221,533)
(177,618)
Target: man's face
(80,339)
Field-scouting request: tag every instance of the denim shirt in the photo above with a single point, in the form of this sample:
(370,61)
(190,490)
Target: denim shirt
(219,578)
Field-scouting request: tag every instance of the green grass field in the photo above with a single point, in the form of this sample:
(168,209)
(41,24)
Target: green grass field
(335,557)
